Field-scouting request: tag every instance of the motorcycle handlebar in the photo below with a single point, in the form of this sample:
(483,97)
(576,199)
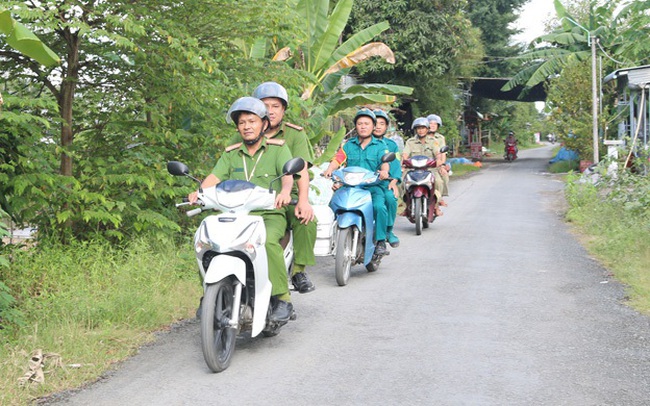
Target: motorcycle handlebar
(194,212)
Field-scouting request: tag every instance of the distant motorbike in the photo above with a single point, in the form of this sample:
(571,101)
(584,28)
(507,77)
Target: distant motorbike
(551,138)
(355,228)
(418,190)
(511,151)
(232,260)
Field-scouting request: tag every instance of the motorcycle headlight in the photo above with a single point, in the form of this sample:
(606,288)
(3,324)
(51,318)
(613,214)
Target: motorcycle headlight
(202,239)
(353,178)
(250,240)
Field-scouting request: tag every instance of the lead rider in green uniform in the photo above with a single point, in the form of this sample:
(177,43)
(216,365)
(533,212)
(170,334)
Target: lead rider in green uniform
(259,160)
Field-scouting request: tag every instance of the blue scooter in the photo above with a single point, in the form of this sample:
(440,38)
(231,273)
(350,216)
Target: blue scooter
(355,227)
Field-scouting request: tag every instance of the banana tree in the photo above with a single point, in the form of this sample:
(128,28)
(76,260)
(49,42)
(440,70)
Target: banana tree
(567,44)
(326,61)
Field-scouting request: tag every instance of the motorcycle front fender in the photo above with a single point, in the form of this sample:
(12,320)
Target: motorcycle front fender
(419,191)
(348,219)
(223,266)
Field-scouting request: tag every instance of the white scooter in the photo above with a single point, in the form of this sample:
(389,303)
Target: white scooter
(233,263)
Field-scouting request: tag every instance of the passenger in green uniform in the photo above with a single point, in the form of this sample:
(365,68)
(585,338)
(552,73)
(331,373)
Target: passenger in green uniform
(421,144)
(301,216)
(395,172)
(366,151)
(435,122)
(259,160)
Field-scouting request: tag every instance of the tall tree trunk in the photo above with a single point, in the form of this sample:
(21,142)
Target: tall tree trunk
(70,78)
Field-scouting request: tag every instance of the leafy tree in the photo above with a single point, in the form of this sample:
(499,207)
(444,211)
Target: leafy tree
(494,18)
(569,100)
(434,43)
(140,83)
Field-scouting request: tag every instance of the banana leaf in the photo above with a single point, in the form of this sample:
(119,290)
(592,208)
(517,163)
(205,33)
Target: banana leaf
(328,41)
(24,41)
(361,54)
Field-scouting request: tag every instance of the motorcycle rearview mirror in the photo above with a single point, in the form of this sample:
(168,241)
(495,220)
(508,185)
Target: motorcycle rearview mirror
(388,157)
(177,168)
(180,169)
(444,149)
(291,167)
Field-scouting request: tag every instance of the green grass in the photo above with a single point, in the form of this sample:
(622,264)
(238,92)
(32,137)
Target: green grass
(564,167)
(93,305)
(615,218)
(460,170)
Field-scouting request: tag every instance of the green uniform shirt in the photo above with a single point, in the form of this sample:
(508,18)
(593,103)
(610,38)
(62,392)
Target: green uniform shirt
(295,139)
(414,147)
(261,168)
(368,157)
(395,170)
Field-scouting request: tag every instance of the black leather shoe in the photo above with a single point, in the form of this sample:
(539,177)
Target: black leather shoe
(282,311)
(380,248)
(302,283)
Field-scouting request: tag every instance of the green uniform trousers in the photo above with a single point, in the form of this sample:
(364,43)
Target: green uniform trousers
(379,211)
(276,226)
(304,238)
(391,208)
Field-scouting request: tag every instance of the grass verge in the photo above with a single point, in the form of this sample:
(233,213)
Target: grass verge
(615,215)
(564,166)
(89,306)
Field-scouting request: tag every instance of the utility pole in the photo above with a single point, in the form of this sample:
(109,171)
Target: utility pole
(594,97)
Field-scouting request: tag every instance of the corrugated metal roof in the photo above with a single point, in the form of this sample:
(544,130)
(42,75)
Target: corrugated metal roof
(637,76)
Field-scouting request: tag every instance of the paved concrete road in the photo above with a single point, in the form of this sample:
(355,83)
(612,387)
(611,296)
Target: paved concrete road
(496,304)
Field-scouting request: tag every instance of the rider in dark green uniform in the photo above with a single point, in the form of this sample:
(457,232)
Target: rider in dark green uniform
(259,160)
(395,173)
(366,151)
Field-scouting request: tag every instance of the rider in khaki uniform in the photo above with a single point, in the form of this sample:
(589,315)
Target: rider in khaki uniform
(301,216)
(259,160)
(421,144)
(435,122)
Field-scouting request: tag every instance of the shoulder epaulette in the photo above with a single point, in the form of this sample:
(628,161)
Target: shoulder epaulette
(295,127)
(273,141)
(233,147)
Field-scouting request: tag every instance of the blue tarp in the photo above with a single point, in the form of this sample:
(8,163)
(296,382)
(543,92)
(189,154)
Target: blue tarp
(564,155)
(462,161)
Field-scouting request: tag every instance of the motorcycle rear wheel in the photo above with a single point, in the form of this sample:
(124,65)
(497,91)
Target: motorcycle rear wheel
(217,338)
(417,213)
(343,261)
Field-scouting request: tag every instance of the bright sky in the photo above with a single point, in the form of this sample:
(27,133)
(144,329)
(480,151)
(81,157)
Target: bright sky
(532,19)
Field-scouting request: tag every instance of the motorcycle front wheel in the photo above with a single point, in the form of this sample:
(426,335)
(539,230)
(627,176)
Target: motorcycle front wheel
(217,336)
(343,261)
(417,213)
(425,217)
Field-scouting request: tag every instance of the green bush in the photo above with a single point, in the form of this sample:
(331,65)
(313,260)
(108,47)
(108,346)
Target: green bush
(615,214)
